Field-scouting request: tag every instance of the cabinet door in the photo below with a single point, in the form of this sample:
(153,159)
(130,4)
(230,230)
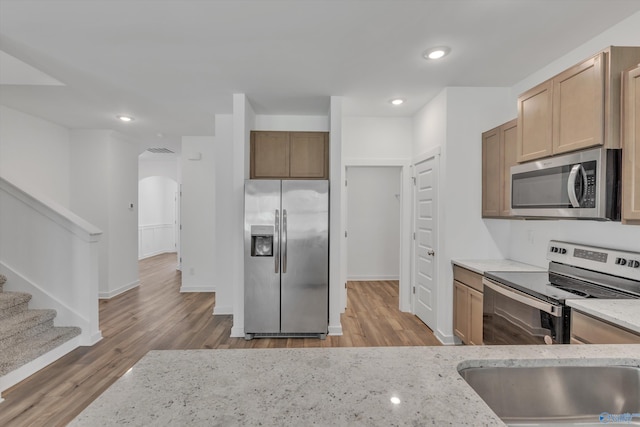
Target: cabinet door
(269,155)
(508,143)
(631,146)
(461,311)
(309,155)
(590,330)
(491,173)
(534,123)
(475,317)
(578,106)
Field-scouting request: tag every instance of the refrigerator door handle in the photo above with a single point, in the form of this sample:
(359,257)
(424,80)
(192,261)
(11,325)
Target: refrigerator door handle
(276,243)
(284,240)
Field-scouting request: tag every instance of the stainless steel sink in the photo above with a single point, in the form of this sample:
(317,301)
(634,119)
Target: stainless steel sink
(564,395)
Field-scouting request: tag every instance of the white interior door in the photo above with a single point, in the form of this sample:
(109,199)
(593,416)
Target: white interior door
(425,281)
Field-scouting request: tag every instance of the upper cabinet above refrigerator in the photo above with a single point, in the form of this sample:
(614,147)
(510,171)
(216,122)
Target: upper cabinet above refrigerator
(289,155)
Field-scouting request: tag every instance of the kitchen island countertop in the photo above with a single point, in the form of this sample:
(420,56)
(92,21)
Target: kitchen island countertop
(322,386)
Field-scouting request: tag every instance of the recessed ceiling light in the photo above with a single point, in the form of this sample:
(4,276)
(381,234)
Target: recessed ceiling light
(125,118)
(397,101)
(436,52)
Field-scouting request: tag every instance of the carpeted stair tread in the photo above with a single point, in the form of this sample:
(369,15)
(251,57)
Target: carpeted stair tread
(26,351)
(23,325)
(12,303)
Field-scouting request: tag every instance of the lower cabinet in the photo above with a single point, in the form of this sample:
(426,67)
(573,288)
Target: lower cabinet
(586,329)
(467,306)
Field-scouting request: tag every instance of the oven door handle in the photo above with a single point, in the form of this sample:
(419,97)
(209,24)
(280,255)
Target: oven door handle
(523,298)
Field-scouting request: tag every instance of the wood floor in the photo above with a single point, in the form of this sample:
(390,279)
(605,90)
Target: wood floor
(157,316)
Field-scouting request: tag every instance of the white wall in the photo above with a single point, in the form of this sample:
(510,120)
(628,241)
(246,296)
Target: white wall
(158,167)
(337,218)
(291,123)
(104,185)
(34,154)
(123,214)
(430,126)
(198,214)
(244,120)
(376,138)
(373,223)
(226,215)
(454,122)
(156,216)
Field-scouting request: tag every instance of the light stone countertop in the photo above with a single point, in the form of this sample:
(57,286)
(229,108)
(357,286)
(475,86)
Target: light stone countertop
(622,312)
(321,386)
(481,266)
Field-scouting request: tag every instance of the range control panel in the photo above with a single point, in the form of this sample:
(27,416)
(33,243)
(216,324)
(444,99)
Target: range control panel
(611,261)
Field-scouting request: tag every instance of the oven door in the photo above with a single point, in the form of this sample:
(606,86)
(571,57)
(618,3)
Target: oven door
(511,317)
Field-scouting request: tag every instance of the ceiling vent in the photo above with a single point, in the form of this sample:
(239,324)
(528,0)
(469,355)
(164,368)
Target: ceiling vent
(160,150)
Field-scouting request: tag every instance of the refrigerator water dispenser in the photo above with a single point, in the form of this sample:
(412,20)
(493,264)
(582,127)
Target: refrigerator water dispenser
(261,240)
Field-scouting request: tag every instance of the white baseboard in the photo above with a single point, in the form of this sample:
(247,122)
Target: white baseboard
(185,289)
(116,292)
(445,339)
(222,310)
(237,332)
(371,278)
(335,331)
(25,371)
(95,338)
(152,254)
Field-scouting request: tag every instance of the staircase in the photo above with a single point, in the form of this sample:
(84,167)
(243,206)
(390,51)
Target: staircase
(26,334)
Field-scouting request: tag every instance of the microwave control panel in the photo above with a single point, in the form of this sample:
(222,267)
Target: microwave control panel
(590,192)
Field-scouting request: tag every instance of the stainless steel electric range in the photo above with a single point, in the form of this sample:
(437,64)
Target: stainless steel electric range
(529,307)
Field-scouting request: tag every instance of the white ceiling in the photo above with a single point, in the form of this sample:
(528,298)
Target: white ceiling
(173,65)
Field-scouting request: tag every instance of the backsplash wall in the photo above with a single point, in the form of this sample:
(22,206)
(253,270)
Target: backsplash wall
(528,240)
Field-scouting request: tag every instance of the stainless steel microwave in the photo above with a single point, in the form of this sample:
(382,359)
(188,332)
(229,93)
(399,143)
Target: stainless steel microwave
(584,185)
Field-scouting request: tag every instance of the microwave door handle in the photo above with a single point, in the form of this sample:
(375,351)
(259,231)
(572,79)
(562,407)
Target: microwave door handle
(571,185)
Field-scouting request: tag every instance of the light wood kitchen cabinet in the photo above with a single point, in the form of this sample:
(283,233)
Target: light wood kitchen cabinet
(461,311)
(586,329)
(631,146)
(269,154)
(534,123)
(576,109)
(289,155)
(467,305)
(309,155)
(498,155)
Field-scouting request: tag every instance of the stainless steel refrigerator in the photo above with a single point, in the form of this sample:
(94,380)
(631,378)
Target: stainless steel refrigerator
(286,258)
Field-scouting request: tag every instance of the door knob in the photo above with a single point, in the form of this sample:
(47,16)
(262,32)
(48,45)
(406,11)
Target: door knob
(431,252)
